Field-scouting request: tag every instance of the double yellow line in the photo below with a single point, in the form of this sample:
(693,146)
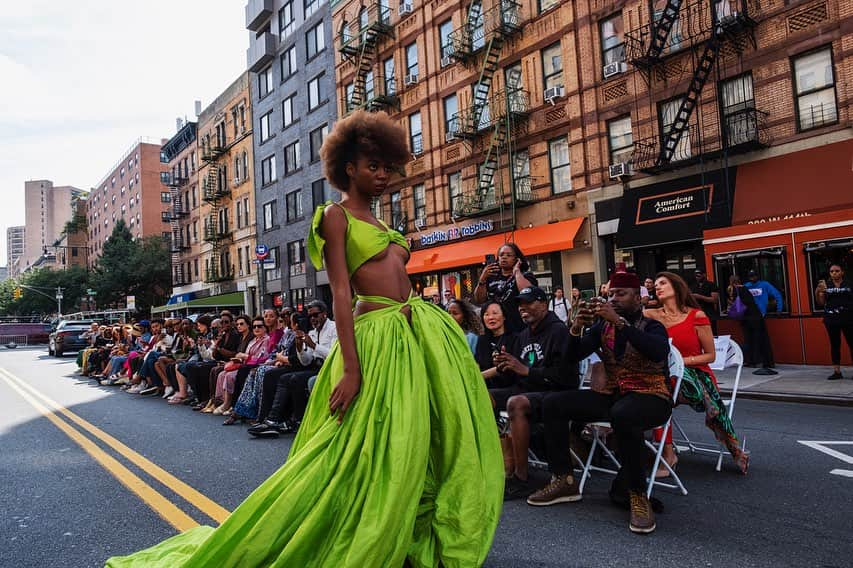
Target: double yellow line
(161,505)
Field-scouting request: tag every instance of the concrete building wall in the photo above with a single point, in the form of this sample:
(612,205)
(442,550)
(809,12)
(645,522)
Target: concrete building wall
(15,238)
(47,209)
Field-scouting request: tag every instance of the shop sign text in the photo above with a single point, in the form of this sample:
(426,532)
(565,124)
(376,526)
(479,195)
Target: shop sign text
(675,204)
(779,218)
(454,233)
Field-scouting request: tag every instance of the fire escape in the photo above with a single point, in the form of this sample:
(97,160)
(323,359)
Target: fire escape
(216,230)
(358,43)
(706,27)
(178,212)
(489,125)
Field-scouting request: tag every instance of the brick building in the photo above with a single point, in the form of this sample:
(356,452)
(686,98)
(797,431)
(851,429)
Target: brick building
(132,190)
(291,64)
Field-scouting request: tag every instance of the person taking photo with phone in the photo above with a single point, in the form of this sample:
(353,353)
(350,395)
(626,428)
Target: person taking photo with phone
(502,279)
(836,298)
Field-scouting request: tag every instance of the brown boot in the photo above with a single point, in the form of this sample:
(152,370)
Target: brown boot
(642,516)
(562,489)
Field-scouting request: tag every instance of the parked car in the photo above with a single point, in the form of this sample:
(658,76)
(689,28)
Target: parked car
(33,332)
(68,337)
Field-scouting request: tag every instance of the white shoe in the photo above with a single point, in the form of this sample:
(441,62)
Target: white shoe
(138,388)
(169,392)
(219,410)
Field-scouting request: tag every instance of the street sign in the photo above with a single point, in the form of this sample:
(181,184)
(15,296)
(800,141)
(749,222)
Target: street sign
(264,261)
(131,303)
(262,251)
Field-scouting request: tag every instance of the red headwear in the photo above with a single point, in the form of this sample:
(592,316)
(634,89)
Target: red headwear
(625,280)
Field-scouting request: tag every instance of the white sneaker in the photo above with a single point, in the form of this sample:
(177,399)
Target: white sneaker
(169,392)
(138,388)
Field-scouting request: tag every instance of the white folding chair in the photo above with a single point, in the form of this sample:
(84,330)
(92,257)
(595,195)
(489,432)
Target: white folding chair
(734,358)
(676,370)
(533,461)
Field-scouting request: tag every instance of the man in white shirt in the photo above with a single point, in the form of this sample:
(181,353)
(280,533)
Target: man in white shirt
(313,347)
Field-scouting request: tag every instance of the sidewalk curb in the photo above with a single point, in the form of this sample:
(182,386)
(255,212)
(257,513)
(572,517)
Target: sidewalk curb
(792,397)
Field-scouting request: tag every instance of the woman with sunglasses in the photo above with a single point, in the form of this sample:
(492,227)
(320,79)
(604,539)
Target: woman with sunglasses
(255,353)
(397,461)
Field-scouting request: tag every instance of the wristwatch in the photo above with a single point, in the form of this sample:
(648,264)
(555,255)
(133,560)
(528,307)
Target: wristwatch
(620,323)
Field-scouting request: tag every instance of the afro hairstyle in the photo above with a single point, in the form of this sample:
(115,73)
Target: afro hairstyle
(362,133)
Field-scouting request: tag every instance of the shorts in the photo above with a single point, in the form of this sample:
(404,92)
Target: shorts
(502,396)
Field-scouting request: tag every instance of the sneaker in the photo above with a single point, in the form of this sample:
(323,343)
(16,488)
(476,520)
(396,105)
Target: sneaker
(122,381)
(516,488)
(148,390)
(168,392)
(642,516)
(105,382)
(136,388)
(268,429)
(835,376)
(622,500)
(561,489)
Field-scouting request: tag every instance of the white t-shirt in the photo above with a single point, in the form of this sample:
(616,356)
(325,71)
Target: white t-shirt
(560,308)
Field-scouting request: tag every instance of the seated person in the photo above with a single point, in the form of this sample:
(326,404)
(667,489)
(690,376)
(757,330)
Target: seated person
(465,315)
(141,336)
(495,337)
(162,347)
(634,398)
(546,364)
(288,404)
(255,353)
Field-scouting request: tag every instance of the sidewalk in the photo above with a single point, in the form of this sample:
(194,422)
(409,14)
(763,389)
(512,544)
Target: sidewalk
(794,383)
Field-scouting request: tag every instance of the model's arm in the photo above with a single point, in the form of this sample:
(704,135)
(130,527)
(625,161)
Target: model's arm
(334,231)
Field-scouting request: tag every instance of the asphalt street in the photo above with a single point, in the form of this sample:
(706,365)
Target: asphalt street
(65,506)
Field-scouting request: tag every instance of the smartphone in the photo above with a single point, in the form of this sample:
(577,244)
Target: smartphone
(490,259)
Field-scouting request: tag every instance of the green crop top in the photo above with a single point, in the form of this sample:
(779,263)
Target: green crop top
(364,240)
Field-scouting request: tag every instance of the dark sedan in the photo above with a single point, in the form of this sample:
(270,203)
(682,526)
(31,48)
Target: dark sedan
(68,337)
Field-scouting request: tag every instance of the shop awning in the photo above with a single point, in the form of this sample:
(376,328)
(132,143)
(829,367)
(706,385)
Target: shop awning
(231,300)
(535,240)
(809,181)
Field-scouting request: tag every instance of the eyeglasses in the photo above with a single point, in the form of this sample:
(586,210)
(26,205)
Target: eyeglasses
(224,321)
(261,326)
(241,323)
(315,315)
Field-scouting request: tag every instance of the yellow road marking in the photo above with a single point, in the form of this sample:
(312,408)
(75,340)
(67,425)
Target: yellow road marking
(162,506)
(194,497)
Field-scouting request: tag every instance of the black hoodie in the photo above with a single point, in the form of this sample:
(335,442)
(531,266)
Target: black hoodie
(546,351)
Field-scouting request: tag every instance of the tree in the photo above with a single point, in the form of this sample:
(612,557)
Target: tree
(73,282)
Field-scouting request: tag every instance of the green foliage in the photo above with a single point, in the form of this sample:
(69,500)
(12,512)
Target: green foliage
(73,282)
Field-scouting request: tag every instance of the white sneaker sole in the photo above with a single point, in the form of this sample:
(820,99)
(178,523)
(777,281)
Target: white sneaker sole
(638,530)
(556,500)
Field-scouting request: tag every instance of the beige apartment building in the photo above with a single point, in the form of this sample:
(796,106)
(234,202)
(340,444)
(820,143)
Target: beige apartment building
(227,200)
(134,190)
(47,209)
(15,237)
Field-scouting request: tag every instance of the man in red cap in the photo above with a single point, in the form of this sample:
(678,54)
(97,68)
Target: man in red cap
(635,398)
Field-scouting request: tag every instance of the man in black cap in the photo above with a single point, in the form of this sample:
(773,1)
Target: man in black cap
(708,295)
(545,364)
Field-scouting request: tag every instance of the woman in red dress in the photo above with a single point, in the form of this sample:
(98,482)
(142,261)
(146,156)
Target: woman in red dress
(690,331)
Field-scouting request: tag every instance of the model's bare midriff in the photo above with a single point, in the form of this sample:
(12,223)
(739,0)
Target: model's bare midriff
(383,275)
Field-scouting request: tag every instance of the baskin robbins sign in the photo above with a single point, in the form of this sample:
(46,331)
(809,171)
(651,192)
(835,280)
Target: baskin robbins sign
(675,204)
(458,232)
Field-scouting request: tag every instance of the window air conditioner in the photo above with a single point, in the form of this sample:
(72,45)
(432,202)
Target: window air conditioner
(420,223)
(554,93)
(619,169)
(405,8)
(614,68)
(446,60)
(411,79)
(450,136)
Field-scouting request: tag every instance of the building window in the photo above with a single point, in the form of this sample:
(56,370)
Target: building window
(412,60)
(419,198)
(268,170)
(451,111)
(319,193)
(769,263)
(477,25)
(164,216)
(293,206)
(376,207)
(561,172)
(315,142)
(265,127)
(667,113)
(552,66)
(398,222)
(165,197)
(296,258)
(287,116)
(454,185)
(416,140)
(521,173)
(286,21)
(737,106)
(814,80)
(315,40)
(613,41)
(621,139)
(389,77)
(288,62)
(271,266)
(292,158)
(265,85)
(545,5)
(239,214)
(311,6)
(269,215)
(316,94)
(445,41)
(349,91)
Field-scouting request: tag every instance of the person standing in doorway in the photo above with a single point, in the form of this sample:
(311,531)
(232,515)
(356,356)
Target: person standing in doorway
(707,294)
(836,297)
(757,348)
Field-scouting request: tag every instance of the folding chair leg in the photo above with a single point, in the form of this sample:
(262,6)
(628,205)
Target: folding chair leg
(586,470)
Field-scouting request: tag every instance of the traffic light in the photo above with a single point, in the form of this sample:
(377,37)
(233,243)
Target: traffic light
(18,293)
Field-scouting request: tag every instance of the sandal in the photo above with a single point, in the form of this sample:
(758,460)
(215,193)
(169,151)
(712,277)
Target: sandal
(233,419)
(177,399)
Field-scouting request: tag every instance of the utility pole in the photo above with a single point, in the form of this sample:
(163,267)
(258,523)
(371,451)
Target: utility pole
(59,297)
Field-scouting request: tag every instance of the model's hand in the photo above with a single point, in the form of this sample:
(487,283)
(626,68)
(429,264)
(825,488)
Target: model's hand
(344,393)
(505,362)
(605,311)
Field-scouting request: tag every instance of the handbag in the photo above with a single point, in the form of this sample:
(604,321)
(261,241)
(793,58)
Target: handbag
(232,366)
(738,309)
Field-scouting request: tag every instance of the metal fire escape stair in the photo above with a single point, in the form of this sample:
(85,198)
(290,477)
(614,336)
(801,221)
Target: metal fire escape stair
(670,140)
(661,29)
(175,245)
(364,63)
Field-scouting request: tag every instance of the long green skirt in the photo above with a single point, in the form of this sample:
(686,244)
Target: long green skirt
(415,471)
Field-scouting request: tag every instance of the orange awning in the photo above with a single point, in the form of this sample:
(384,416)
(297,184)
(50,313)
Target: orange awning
(536,240)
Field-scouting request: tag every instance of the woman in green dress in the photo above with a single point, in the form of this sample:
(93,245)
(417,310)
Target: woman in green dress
(397,460)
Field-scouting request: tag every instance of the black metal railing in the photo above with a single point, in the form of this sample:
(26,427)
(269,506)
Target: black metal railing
(218,274)
(504,19)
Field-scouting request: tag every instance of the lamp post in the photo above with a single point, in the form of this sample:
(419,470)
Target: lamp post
(59,297)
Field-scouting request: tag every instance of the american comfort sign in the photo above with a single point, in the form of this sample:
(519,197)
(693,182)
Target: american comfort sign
(454,233)
(675,204)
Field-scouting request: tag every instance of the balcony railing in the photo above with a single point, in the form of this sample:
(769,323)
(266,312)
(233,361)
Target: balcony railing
(178,244)
(466,123)
(256,12)
(261,51)
(215,192)
(746,130)
(218,274)
(375,19)
(815,116)
(179,208)
(213,232)
(466,41)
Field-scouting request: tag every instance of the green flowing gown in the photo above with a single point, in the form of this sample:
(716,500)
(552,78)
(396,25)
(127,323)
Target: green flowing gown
(414,471)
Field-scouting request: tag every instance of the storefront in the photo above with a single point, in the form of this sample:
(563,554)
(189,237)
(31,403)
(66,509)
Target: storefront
(792,218)
(187,304)
(455,266)
(659,226)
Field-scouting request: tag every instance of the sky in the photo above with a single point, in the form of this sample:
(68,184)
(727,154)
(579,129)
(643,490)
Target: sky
(81,81)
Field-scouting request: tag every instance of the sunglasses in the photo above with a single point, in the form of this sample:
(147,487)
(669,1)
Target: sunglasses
(261,326)
(242,323)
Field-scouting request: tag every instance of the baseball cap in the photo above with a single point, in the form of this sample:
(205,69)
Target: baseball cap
(532,293)
(752,273)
